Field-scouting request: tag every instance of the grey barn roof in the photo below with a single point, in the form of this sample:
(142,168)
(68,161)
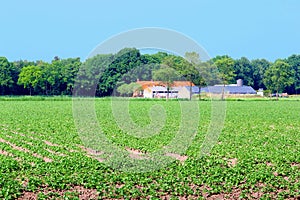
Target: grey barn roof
(195,89)
(229,89)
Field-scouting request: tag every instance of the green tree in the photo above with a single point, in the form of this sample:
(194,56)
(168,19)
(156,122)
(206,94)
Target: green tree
(186,68)
(278,76)
(193,70)
(128,89)
(6,79)
(135,87)
(178,63)
(123,89)
(244,71)
(17,67)
(87,79)
(294,62)
(155,58)
(30,77)
(123,62)
(225,70)
(50,77)
(167,76)
(69,72)
(140,72)
(60,75)
(259,68)
(208,75)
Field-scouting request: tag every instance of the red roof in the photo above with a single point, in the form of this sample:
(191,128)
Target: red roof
(146,84)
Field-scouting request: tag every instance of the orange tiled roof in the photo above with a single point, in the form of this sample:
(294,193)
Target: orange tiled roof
(146,84)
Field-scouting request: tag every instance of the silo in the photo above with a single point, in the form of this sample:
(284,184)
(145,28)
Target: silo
(239,82)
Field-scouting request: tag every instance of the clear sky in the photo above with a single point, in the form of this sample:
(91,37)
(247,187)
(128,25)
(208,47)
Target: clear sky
(41,29)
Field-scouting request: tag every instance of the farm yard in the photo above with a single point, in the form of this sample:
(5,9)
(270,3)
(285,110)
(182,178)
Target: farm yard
(256,155)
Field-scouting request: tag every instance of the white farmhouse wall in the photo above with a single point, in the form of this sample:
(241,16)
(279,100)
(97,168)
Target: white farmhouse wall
(183,93)
(148,93)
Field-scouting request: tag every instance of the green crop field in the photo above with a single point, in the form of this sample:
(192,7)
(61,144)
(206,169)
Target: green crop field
(257,154)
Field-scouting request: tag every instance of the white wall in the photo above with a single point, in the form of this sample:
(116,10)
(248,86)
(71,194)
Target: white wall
(261,93)
(148,93)
(183,93)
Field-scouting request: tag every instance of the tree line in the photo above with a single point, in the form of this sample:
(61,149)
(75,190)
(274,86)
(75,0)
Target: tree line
(102,74)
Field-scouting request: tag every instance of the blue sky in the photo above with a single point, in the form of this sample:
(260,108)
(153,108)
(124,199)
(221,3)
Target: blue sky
(40,30)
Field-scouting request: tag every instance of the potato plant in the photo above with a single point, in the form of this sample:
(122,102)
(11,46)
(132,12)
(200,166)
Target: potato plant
(256,155)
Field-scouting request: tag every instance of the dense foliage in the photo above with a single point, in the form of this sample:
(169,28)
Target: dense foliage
(107,72)
(42,156)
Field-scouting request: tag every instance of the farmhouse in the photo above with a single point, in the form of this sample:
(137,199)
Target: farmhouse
(183,89)
(158,89)
(160,92)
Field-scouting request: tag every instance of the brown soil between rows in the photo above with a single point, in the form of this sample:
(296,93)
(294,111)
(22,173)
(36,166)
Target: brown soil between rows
(46,159)
(83,193)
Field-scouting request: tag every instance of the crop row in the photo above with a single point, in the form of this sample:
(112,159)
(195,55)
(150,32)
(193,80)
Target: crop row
(255,156)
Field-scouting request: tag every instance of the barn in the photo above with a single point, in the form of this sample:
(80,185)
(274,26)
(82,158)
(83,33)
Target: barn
(228,89)
(232,89)
(184,92)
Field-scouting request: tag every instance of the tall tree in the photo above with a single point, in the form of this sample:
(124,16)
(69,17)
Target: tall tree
(87,79)
(128,89)
(178,63)
(6,79)
(167,76)
(278,76)
(244,71)
(259,68)
(208,75)
(225,70)
(30,77)
(192,72)
(123,62)
(187,67)
(155,58)
(294,62)
(142,71)
(50,77)
(69,72)
(17,67)
(123,89)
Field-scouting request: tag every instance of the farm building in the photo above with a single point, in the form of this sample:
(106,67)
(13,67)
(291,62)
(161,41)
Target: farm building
(260,92)
(146,84)
(184,92)
(233,89)
(228,89)
(160,92)
(158,89)
(236,89)
(182,89)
